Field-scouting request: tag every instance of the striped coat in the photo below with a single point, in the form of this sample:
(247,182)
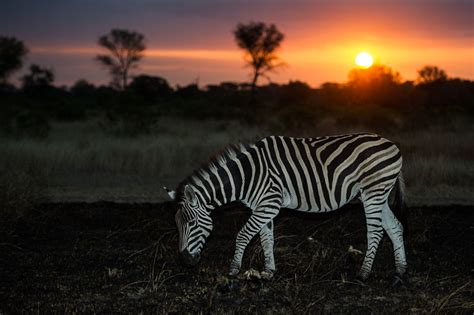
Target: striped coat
(306,174)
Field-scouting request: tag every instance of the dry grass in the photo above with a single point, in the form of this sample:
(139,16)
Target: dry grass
(438,166)
(81,163)
(20,191)
(122,258)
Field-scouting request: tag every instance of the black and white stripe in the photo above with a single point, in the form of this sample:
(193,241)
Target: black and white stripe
(306,174)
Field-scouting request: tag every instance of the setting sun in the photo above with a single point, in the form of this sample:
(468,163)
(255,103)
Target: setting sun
(364,60)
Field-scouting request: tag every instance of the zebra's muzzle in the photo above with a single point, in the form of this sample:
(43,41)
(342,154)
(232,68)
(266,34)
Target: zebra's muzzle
(188,259)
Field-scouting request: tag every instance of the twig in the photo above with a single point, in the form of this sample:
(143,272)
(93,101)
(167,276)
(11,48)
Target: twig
(442,279)
(12,245)
(139,251)
(446,299)
(130,284)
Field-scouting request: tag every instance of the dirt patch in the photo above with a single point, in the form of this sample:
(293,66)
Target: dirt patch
(108,257)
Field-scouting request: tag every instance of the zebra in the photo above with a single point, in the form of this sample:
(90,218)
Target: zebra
(307,174)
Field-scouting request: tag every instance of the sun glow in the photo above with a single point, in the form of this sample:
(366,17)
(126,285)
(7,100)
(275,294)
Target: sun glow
(364,60)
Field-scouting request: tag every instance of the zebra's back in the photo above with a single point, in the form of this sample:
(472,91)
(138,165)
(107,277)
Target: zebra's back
(325,173)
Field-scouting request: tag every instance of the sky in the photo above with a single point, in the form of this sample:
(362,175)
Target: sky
(192,41)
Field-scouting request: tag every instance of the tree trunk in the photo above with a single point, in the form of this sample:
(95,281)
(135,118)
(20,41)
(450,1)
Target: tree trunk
(252,99)
(124,80)
(254,81)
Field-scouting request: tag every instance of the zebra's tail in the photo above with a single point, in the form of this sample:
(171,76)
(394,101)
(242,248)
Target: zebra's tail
(399,207)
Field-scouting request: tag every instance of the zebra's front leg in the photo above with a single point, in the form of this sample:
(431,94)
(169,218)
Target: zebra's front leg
(266,239)
(259,218)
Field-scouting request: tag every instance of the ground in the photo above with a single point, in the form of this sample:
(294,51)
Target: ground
(111,257)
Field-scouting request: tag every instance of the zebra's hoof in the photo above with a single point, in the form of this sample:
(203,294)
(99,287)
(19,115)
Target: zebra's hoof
(266,275)
(252,274)
(233,272)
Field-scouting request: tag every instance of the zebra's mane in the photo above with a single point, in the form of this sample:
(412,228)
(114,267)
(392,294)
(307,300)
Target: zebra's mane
(212,165)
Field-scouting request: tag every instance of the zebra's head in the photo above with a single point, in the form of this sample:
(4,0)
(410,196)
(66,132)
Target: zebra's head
(194,224)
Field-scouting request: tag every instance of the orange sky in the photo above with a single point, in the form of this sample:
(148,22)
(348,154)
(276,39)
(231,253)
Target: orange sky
(188,41)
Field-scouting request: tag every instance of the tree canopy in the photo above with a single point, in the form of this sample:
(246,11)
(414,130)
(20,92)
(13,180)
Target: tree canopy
(430,74)
(125,50)
(38,77)
(150,87)
(260,42)
(12,53)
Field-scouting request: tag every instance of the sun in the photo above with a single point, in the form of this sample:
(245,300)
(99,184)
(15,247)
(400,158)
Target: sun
(364,60)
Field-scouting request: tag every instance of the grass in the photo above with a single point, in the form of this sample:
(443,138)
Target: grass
(79,162)
(121,257)
(20,191)
(78,258)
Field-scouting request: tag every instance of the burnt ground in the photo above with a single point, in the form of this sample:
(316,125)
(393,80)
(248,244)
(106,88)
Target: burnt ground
(106,257)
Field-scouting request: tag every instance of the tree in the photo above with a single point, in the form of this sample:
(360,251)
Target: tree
(82,88)
(260,42)
(375,85)
(38,77)
(150,87)
(12,53)
(373,77)
(430,74)
(125,50)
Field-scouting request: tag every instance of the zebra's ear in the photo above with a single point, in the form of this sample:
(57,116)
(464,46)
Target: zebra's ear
(171,193)
(190,195)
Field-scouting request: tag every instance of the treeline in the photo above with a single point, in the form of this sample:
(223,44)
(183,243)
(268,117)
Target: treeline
(373,98)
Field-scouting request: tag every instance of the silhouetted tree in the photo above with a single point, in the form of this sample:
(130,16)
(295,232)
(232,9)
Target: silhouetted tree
(377,75)
(260,42)
(125,51)
(224,88)
(82,88)
(150,87)
(375,85)
(12,53)
(293,92)
(332,93)
(430,74)
(38,77)
(188,91)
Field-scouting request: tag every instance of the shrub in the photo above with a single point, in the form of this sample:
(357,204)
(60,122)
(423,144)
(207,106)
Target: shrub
(128,115)
(30,124)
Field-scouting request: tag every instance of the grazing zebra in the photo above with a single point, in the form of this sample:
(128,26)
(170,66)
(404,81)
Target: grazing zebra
(306,174)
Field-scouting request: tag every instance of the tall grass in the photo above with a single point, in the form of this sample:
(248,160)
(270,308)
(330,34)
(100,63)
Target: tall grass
(83,163)
(80,162)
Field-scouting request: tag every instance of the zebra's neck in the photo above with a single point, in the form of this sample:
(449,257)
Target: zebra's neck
(232,179)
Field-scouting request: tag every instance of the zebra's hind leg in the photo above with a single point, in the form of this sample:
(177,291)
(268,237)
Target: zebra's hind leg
(394,230)
(373,215)
(259,218)
(266,239)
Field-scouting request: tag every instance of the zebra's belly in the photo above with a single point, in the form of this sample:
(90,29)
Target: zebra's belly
(315,209)
(320,205)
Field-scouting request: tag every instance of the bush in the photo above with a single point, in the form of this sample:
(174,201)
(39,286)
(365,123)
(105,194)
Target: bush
(23,123)
(127,114)
(70,111)
(32,125)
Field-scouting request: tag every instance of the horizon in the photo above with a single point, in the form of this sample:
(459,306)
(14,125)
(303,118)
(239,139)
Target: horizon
(189,42)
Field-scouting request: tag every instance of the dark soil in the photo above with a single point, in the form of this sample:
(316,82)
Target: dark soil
(109,258)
